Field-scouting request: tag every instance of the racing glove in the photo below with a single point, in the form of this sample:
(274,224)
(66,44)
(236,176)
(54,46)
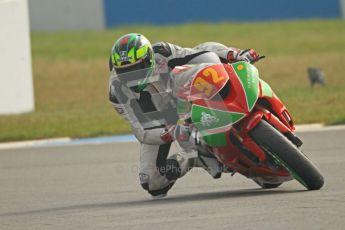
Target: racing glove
(176,132)
(248,55)
(186,137)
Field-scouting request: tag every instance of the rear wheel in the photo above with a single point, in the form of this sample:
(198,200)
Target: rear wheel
(287,155)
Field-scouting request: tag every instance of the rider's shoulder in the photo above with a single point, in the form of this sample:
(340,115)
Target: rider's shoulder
(162,48)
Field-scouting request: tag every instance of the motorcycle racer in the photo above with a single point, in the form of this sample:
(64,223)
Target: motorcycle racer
(133,52)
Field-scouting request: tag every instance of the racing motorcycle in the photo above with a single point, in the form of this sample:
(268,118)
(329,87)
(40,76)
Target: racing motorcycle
(238,118)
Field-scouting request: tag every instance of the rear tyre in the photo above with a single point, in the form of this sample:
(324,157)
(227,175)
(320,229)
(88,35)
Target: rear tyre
(288,155)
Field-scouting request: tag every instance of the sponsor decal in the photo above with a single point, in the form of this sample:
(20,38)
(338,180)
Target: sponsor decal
(124,57)
(207,119)
(240,67)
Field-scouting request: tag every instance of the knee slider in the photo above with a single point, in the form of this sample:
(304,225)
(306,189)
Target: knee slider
(161,191)
(145,186)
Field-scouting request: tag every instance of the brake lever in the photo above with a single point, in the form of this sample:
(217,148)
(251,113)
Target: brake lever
(258,59)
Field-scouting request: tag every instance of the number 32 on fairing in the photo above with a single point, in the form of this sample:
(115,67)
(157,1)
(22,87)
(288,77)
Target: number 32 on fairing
(210,80)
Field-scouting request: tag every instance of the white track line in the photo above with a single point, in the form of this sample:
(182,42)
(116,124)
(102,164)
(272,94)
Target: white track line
(68,141)
(33,143)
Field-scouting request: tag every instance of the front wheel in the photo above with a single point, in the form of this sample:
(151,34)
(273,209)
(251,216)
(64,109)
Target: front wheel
(266,185)
(287,155)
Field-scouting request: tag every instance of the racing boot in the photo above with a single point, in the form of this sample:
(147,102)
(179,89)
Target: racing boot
(177,166)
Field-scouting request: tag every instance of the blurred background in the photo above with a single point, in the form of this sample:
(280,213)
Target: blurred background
(54,56)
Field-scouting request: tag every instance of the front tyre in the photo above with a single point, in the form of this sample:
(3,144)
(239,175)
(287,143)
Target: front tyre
(288,155)
(266,185)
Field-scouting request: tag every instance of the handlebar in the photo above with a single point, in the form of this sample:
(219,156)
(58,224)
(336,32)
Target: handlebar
(258,59)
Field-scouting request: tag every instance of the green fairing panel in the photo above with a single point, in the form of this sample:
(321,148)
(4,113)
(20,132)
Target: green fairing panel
(249,77)
(206,119)
(266,89)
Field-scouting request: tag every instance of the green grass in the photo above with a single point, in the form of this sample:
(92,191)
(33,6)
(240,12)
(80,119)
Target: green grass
(71,74)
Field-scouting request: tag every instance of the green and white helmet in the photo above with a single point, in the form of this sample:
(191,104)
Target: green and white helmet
(131,52)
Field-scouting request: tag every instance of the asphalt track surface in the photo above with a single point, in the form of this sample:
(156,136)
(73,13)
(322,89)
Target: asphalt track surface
(96,187)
